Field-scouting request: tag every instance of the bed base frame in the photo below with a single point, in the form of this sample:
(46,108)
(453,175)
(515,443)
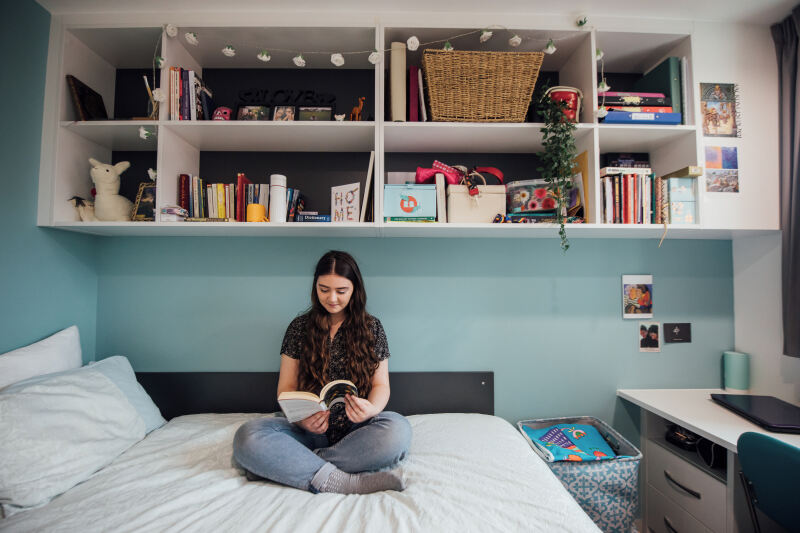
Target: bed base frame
(413,393)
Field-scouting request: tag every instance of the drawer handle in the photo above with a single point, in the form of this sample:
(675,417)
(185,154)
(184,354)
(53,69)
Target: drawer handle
(670,528)
(687,490)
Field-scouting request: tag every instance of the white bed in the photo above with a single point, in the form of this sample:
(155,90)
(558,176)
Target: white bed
(464,472)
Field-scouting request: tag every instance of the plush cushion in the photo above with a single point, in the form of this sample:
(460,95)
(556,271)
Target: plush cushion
(58,352)
(58,431)
(118,369)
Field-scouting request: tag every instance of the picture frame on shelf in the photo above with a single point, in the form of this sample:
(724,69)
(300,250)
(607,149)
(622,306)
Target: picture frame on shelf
(88,102)
(145,204)
(319,114)
(253,112)
(283,113)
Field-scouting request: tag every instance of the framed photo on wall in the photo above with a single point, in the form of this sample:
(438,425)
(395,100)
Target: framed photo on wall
(145,206)
(637,296)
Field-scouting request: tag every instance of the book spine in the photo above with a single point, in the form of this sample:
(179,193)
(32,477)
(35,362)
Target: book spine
(625,117)
(617,204)
(624,170)
(312,218)
(183,191)
(411,219)
(192,97)
(634,100)
(293,206)
(645,95)
(640,109)
(185,114)
(413,94)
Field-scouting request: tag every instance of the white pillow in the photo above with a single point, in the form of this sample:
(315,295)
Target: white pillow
(58,352)
(58,431)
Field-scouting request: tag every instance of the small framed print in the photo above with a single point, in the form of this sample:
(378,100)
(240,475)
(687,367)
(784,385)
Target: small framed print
(637,296)
(314,113)
(145,205)
(283,113)
(253,112)
(649,337)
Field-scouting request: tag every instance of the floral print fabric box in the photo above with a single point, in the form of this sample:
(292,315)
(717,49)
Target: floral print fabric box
(529,196)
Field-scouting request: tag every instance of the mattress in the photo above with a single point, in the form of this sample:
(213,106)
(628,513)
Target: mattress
(464,472)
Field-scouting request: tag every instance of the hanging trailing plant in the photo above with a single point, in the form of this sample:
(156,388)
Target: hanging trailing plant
(558,157)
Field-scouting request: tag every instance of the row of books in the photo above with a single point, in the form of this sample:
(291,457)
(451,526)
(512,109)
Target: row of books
(637,196)
(189,98)
(226,201)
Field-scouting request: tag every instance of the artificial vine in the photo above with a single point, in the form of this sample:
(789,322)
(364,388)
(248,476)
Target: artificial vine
(558,157)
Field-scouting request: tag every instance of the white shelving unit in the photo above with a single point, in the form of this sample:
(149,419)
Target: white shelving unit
(94,53)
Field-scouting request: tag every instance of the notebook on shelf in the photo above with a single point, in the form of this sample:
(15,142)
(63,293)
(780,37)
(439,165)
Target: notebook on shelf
(767,411)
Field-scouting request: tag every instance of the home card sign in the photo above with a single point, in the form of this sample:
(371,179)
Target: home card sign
(345,204)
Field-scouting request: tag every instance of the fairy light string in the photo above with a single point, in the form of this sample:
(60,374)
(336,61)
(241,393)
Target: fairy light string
(337,57)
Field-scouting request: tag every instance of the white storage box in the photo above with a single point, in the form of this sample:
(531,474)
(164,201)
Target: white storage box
(483,207)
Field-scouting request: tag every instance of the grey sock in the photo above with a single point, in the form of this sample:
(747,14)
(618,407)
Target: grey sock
(341,482)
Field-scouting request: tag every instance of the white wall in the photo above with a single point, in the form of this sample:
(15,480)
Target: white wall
(757,311)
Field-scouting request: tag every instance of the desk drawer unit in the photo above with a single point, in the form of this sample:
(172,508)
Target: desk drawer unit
(666,516)
(686,485)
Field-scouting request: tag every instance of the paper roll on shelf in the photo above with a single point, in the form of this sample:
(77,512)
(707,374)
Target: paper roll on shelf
(397,80)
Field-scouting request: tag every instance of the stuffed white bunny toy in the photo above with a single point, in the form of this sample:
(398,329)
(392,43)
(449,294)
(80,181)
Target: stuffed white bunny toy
(108,204)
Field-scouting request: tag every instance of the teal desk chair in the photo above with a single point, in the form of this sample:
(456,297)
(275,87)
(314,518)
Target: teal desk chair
(770,474)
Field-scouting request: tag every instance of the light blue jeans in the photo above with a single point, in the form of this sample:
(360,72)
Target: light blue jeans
(283,452)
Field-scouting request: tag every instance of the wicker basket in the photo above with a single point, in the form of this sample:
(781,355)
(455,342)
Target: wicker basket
(480,86)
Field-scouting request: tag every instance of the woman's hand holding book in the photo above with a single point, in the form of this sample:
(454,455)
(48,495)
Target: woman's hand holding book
(316,423)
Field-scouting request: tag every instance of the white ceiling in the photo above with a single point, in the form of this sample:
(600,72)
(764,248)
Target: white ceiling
(750,11)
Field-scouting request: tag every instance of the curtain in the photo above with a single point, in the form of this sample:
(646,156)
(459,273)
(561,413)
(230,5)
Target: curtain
(785,34)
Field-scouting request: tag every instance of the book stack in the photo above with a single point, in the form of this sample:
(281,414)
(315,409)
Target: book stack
(189,98)
(656,97)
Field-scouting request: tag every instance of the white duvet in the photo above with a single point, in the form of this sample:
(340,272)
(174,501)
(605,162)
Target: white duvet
(464,472)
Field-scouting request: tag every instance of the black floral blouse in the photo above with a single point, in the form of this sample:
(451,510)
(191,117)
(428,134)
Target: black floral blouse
(338,425)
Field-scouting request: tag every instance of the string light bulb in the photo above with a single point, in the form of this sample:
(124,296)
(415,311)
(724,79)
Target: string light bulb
(582,21)
(447,46)
(485,35)
(598,54)
(145,133)
(171,30)
(299,60)
(152,174)
(191,38)
(603,87)
(375,57)
(515,41)
(229,51)
(159,61)
(602,112)
(412,43)
(264,56)
(337,59)
(550,48)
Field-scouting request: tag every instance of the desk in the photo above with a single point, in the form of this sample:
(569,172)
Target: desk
(722,507)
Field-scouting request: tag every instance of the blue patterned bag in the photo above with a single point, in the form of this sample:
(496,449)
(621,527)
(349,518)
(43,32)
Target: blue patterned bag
(608,491)
(570,442)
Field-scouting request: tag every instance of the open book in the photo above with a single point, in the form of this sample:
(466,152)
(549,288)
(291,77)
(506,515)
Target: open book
(297,405)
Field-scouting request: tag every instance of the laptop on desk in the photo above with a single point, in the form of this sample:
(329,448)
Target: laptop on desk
(767,411)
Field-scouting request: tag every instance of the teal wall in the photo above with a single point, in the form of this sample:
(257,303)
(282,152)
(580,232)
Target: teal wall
(48,278)
(549,325)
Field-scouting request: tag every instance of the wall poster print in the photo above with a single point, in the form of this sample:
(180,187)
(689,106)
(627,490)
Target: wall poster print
(637,296)
(719,106)
(649,338)
(722,169)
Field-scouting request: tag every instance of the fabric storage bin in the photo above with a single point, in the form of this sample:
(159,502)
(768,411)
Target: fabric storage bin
(608,490)
(461,207)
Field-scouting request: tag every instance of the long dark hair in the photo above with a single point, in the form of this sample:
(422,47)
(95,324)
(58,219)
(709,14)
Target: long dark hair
(359,343)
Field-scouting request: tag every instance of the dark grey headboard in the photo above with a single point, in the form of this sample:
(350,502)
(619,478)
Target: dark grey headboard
(183,393)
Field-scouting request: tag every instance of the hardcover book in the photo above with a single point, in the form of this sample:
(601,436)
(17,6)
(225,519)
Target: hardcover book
(299,405)
(345,203)
(626,117)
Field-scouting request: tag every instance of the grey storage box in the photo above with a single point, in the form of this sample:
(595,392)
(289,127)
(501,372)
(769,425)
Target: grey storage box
(607,490)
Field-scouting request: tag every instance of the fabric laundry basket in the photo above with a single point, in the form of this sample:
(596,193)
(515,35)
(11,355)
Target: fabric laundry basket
(608,490)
